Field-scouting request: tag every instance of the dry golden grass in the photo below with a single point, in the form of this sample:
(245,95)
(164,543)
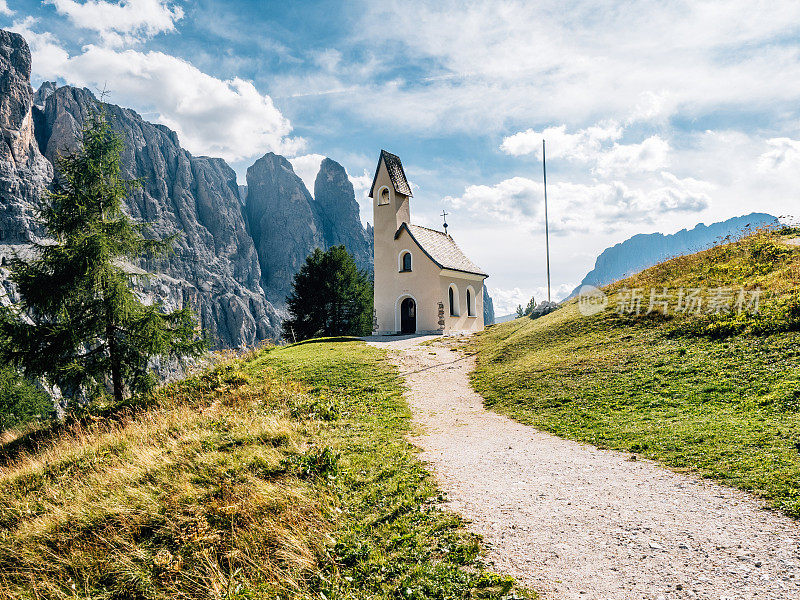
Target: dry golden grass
(186,499)
(760,260)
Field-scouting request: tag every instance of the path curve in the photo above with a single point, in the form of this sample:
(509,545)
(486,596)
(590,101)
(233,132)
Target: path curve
(576,522)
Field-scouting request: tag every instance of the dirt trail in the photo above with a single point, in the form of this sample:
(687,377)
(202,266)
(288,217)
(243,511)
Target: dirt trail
(573,521)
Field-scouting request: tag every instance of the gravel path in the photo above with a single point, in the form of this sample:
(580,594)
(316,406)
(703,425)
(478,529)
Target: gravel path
(573,521)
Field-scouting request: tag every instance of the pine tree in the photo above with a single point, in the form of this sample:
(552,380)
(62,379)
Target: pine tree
(330,296)
(529,308)
(79,324)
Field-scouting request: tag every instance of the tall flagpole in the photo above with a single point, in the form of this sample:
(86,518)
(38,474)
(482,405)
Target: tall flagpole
(546,222)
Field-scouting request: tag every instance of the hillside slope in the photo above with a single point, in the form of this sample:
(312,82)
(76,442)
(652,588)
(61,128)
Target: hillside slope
(284,475)
(714,393)
(647,249)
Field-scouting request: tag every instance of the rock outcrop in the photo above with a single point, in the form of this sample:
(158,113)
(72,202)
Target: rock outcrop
(287,223)
(645,250)
(282,222)
(214,266)
(24,172)
(488,308)
(337,211)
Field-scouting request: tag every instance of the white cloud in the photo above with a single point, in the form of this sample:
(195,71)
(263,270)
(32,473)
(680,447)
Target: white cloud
(361,184)
(513,200)
(124,22)
(649,155)
(578,207)
(45,48)
(306,167)
(582,145)
(230,118)
(505,301)
(4,10)
(591,145)
(651,106)
(784,155)
(489,64)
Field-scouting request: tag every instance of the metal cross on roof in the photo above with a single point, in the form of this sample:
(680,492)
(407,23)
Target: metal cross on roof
(444,218)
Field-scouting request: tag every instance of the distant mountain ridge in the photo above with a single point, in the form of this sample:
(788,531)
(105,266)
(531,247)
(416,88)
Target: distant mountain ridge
(647,249)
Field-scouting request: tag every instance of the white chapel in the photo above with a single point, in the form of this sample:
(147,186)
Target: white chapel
(423,281)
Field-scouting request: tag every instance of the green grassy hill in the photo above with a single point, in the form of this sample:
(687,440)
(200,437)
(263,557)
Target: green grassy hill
(283,475)
(713,393)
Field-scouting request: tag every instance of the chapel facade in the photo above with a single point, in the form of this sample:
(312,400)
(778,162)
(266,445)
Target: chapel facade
(424,283)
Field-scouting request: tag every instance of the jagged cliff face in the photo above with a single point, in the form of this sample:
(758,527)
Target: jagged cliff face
(238,247)
(214,267)
(287,223)
(282,222)
(337,211)
(24,172)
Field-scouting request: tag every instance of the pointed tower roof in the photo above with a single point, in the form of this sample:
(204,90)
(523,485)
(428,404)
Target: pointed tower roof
(396,174)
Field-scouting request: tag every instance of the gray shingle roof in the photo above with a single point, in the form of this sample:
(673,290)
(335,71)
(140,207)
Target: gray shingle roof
(396,174)
(441,249)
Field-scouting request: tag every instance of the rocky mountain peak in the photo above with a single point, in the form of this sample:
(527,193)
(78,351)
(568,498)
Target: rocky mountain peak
(43,93)
(214,267)
(338,212)
(24,172)
(647,249)
(281,220)
(16,100)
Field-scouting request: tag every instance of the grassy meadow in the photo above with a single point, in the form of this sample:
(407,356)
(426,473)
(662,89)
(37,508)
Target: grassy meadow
(715,394)
(285,474)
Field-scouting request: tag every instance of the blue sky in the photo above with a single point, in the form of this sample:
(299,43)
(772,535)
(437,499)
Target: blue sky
(657,114)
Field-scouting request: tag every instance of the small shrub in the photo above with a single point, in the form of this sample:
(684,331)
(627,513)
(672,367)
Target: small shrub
(542,309)
(224,376)
(776,316)
(321,407)
(21,401)
(322,463)
(788,230)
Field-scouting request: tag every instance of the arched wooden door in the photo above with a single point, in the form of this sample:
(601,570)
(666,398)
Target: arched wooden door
(408,316)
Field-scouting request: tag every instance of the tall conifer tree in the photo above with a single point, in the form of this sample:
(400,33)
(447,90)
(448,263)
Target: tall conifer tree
(78,323)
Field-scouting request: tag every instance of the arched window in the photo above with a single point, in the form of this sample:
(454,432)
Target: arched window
(383,195)
(452,294)
(471,302)
(405,263)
